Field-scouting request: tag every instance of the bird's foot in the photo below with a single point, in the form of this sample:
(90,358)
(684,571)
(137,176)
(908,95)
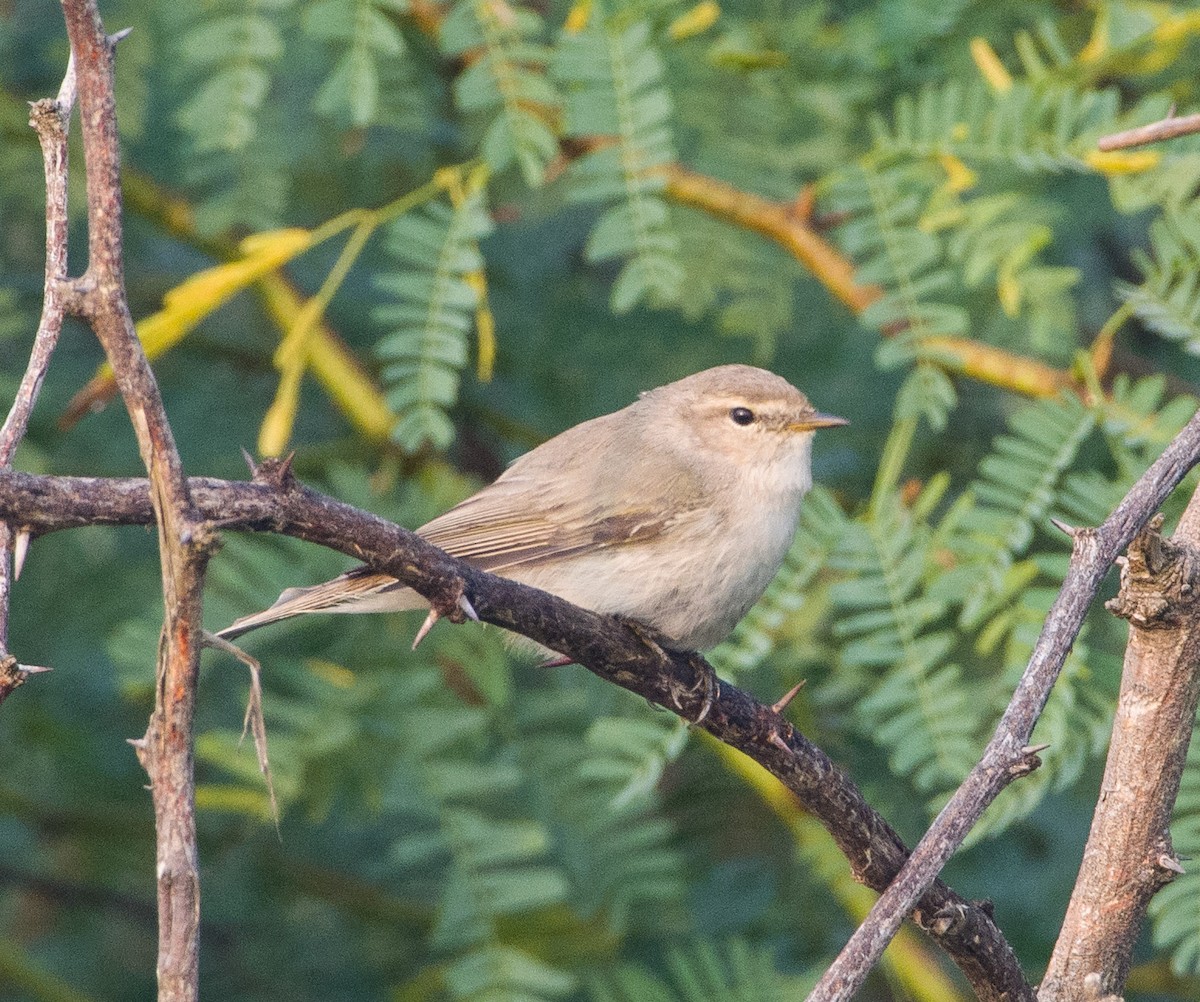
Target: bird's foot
(709,685)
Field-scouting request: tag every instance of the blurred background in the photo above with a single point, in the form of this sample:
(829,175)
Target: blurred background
(411,240)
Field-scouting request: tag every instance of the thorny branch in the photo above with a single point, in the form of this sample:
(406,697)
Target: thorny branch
(50,118)
(98,296)
(610,649)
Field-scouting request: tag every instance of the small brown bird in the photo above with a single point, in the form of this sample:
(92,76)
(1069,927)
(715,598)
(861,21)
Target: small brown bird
(675,511)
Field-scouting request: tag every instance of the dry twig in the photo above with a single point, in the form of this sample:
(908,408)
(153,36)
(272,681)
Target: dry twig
(1171,127)
(50,118)
(98,296)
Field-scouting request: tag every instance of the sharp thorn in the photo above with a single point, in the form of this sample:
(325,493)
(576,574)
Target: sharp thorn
(250,462)
(33,669)
(778,742)
(119,36)
(1171,111)
(781,704)
(425,627)
(136,742)
(468,609)
(1062,526)
(1034,749)
(1168,862)
(20,551)
(557,662)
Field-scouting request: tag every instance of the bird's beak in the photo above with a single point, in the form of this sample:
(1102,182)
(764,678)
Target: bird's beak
(811,422)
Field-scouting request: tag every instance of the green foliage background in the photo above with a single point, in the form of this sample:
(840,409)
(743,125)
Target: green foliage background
(458,826)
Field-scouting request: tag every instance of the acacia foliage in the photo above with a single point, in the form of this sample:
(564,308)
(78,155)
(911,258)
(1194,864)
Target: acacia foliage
(476,194)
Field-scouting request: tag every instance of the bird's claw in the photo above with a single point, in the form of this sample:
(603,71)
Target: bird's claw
(710,684)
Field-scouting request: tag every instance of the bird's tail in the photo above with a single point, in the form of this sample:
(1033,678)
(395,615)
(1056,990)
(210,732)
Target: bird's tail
(359,590)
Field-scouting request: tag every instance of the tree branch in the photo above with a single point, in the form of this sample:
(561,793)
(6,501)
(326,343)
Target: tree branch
(607,647)
(1007,754)
(184,540)
(1171,127)
(50,118)
(1129,856)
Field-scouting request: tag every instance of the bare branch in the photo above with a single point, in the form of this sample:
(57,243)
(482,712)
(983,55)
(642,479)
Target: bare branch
(1171,127)
(1129,855)
(50,118)
(184,540)
(609,648)
(1093,551)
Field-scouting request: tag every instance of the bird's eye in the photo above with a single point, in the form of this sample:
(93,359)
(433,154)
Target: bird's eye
(742,416)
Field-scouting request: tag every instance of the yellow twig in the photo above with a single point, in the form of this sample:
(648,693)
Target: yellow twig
(778,221)
(994,365)
(333,364)
(781,222)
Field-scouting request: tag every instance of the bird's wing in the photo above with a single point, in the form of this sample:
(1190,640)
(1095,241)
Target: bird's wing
(497,529)
(358,590)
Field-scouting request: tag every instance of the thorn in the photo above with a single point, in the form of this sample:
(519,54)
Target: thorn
(284,473)
(33,669)
(1062,526)
(1171,111)
(138,743)
(119,36)
(778,742)
(425,627)
(468,609)
(1169,862)
(20,550)
(1034,749)
(781,704)
(557,662)
(1121,560)
(250,462)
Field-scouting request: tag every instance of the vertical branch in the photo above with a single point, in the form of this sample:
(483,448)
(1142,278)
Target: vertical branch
(50,118)
(1129,854)
(184,539)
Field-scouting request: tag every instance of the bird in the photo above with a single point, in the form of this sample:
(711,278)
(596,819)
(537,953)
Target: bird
(675,512)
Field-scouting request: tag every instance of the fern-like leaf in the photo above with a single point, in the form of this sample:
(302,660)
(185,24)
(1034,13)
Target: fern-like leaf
(602,802)
(229,48)
(893,250)
(367,35)
(1014,491)
(614,80)
(1036,128)
(706,972)
(893,671)
(506,84)
(431,314)
(1168,298)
